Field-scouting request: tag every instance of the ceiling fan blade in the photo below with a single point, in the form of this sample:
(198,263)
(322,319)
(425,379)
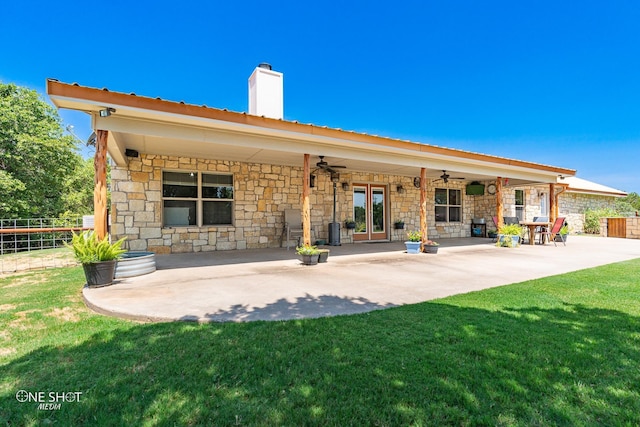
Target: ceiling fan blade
(338,166)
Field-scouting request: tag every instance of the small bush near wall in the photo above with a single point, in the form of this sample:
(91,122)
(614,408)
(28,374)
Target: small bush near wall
(592,219)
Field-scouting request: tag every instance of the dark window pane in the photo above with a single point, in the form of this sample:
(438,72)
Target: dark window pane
(215,213)
(217,186)
(454,197)
(179,212)
(454,214)
(520,197)
(179,184)
(441,213)
(441,196)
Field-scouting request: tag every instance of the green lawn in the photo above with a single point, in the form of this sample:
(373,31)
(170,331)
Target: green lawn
(558,351)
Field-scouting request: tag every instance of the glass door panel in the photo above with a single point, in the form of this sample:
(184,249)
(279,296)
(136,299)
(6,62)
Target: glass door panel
(369,212)
(360,209)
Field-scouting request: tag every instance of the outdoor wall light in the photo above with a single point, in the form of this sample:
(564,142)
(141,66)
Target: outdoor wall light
(345,186)
(400,189)
(106,112)
(312,181)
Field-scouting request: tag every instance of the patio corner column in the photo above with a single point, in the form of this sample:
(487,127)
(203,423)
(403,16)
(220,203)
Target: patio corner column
(499,202)
(553,206)
(306,209)
(100,185)
(423,207)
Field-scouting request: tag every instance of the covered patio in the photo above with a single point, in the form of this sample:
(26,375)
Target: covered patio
(271,284)
(189,178)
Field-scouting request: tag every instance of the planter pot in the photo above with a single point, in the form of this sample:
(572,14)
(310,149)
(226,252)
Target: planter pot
(508,241)
(135,264)
(99,274)
(430,249)
(399,226)
(412,247)
(350,225)
(559,239)
(310,259)
(323,255)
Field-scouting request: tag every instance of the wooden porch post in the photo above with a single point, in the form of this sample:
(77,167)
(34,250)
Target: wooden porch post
(306,210)
(100,185)
(499,202)
(423,207)
(553,206)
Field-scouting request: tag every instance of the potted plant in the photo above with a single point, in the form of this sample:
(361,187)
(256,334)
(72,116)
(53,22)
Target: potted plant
(309,254)
(98,257)
(564,231)
(430,247)
(350,224)
(398,224)
(413,242)
(509,235)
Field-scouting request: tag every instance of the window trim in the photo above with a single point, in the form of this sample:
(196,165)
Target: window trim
(199,199)
(448,206)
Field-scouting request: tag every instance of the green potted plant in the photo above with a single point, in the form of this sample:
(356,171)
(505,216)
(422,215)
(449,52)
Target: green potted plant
(350,224)
(309,254)
(398,224)
(98,257)
(564,231)
(430,247)
(509,235)
(414,238)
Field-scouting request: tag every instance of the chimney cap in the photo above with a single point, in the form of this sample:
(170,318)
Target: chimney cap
(264,65)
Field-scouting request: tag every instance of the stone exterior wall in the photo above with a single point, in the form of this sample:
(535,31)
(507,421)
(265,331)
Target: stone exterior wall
(574,205)
(263,192)
(632,227)
(261,195)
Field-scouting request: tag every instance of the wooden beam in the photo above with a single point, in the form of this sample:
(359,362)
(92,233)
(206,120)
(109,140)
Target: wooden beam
(306,208)
(423,207)
(553,205)
(499,202)
(100,185)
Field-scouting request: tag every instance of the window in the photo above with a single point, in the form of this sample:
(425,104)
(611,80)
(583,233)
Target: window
(448,205)
(194,198)
(520,204)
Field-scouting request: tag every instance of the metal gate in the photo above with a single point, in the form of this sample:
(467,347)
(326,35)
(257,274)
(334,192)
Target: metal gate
(617,227)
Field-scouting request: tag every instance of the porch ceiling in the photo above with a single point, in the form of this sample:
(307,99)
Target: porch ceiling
(156,126)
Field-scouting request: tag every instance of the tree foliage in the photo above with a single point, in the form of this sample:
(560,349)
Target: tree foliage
(36,158)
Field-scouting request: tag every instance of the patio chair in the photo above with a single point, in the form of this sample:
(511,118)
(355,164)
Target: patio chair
(292,225)
(540,229)
(555,231)
(495,222)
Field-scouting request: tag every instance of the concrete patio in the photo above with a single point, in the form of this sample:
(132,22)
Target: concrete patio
(271,284)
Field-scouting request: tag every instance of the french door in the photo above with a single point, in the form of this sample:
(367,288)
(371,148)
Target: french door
(370,212)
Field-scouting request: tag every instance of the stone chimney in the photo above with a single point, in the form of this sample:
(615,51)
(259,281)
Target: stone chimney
(266,92)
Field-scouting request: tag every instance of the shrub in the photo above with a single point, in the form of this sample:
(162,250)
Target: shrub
(592,219)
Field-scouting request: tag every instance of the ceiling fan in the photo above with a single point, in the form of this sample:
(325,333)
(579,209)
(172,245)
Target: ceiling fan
(326,166)
(445,177)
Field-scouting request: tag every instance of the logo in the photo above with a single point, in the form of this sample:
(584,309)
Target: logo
(48,401)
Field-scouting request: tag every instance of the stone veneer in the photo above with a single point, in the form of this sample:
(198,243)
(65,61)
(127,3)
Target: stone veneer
(632,227)
(262,193)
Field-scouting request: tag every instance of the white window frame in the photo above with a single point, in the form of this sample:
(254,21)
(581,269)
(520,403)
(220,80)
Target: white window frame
(199,199)
(448,206)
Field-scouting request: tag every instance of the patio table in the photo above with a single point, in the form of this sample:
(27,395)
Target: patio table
(532,228)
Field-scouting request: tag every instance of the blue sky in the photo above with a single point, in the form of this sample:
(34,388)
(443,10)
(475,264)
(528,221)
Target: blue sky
(550,82)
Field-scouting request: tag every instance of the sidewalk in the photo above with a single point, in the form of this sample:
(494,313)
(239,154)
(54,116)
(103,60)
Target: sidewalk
(271,284)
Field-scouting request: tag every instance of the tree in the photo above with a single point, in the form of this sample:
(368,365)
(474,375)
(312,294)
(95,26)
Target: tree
(632,199)
(36,157)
